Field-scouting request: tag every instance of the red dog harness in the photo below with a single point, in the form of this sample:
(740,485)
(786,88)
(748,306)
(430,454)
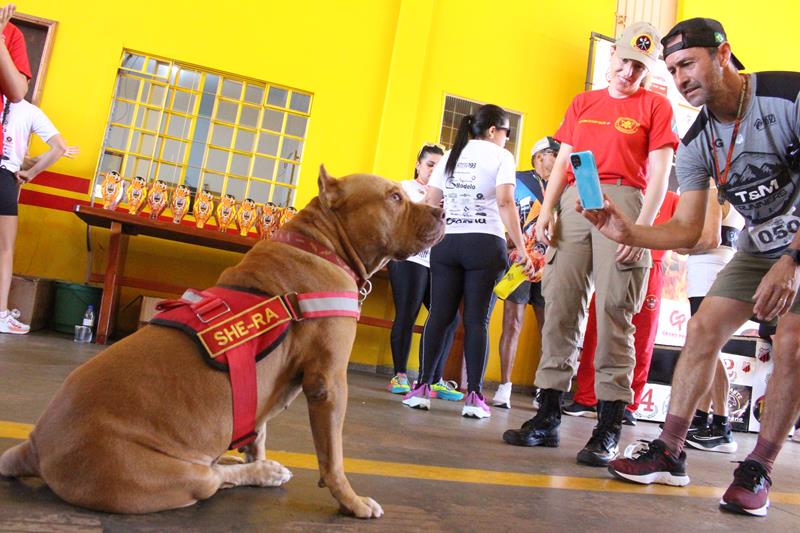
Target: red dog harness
(234,328)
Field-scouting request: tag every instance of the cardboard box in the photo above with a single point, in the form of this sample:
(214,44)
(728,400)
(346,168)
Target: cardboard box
(34,299)
(148,309)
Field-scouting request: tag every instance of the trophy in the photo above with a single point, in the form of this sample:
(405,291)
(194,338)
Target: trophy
(180,203)
(286,215)
(157,199)
(112,190)
(203,208)
(137,194)
(267,220)
(246,216)
(226,212)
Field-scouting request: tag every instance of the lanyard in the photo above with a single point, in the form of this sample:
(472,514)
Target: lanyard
(722,176)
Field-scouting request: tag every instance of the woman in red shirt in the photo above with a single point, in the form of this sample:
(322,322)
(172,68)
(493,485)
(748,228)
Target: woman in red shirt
(629,130)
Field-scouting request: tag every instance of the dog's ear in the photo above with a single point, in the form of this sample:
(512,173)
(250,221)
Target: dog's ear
(329,188)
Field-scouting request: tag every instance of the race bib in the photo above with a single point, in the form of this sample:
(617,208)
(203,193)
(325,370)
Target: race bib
(775,233)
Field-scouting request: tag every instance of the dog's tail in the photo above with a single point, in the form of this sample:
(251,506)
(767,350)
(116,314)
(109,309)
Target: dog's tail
(20,461)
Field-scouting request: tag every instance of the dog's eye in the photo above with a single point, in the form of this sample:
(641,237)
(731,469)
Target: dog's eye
(396,197)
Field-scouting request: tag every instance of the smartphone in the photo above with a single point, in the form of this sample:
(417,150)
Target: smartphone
(587,179)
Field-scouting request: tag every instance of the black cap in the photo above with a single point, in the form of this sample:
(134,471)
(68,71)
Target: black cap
(706,33)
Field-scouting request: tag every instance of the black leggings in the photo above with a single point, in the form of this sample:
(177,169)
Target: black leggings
(463,265)
(410,290)
(694,304)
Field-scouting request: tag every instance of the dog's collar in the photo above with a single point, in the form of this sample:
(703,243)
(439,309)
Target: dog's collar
(308,244)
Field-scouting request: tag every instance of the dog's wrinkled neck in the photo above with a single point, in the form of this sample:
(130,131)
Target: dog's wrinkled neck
(320,223)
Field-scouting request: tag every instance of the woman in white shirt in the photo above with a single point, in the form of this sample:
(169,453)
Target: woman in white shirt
(476,179)
(410,281)
(19,121)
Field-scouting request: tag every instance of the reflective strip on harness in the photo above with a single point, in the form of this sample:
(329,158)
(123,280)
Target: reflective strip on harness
(244,326)
(324,304)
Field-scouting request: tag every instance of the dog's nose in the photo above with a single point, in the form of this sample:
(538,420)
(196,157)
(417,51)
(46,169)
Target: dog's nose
(438,212)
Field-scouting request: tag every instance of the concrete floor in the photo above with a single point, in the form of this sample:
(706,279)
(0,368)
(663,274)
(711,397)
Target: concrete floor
(431,471)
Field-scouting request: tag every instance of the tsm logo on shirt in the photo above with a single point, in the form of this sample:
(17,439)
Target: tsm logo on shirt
(626,125)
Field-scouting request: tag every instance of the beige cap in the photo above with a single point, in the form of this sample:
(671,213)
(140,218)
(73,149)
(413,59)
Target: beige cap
(641,42)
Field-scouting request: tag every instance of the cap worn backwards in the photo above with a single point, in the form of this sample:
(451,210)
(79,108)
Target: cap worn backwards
(697,32)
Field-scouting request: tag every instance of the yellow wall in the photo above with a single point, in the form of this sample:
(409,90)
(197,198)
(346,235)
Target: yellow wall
(761,35)
(379,71)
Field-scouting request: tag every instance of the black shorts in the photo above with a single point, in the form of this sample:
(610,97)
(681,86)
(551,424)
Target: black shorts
(9,193)
(527,293)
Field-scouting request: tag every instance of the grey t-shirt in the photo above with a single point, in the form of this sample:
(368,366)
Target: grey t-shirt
(764,179)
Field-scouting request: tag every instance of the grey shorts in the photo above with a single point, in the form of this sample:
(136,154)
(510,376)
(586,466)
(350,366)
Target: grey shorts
(527,293)
(740,278)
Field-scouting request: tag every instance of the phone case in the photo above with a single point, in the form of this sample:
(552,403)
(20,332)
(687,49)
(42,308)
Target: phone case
(587,179)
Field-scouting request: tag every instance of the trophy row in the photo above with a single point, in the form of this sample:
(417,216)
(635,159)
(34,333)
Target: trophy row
(266,217)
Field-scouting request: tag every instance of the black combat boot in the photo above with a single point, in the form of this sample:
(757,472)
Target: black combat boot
(542,429)
(603,446)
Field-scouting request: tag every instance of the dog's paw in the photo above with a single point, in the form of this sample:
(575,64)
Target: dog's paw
(363,507)
(274,474)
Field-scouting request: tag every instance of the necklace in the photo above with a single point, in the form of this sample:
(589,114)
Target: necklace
(722,174)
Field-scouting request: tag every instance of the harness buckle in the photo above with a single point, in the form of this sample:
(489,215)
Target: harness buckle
(290,300)
(209,307)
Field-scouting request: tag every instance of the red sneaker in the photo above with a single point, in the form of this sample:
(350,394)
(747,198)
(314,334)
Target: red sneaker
(652,463)
(749,492)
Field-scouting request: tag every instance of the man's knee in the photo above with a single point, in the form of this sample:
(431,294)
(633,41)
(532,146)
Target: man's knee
(786,349)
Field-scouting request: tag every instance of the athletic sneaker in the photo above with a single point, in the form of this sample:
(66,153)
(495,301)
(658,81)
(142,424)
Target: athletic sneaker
(749,492)
(475,406)
(419,397)
(399,384)
(446,390)
(652,463)
(578,409)
(502,398)
(10,324)
(714,438)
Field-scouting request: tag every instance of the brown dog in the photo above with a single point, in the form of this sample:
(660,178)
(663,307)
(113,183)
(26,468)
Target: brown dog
(142,426)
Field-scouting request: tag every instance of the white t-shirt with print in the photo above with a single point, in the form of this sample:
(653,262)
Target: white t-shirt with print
(416,191)
(24,118)
(470,200)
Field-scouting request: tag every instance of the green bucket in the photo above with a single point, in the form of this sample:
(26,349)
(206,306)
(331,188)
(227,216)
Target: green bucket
(71,301)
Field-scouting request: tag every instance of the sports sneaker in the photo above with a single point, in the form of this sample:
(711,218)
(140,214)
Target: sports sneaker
(399,384)
(10,324)
(749,492)
(475,406)
(419,397)
(628,418)
(578,409)
(714,438)
(652,462)
(502,398)
(446,390)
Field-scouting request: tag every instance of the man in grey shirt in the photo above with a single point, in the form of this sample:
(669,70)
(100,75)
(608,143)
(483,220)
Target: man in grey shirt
(746,139)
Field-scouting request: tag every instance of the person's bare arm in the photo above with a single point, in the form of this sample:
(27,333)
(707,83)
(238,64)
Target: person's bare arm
(711,236)
(681,231)
(57,149)
(13,83)
(659,163)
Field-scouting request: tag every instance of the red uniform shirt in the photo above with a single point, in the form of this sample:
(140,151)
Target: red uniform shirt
(665,213)
(15,43)
(621,132)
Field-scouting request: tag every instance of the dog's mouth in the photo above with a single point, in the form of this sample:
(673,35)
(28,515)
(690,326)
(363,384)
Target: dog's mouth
(111,188)
(157,198)
(136,194)
(180,203)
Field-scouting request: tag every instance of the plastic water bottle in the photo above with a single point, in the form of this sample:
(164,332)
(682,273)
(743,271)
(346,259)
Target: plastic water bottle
(83,332)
